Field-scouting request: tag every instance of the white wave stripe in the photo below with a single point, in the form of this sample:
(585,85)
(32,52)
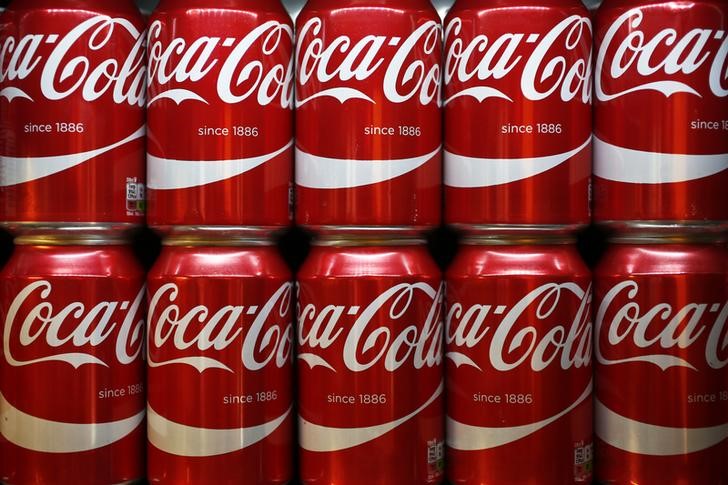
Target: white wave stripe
(178,96)
(314,360)
(201,363)
(182,440)
(340,94)
(18,170)
(621,164)
(664,362)
(314,437)
(465,437)
(481,93)
(666,88)
(648,439)
(47,436)
(76,359)
(459,359)
(468,172)
(10,93)
(168,173)
(317,172)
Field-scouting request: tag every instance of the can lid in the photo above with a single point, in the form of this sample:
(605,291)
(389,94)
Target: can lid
(665,238)
(359,239)
(71,239)
(518,239)
(216,240)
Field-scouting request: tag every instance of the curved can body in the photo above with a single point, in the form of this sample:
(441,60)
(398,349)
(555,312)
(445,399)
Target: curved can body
(220,388)
(662,364)
(72,369)
(519,376)
(517,102)
(369,366)
(661,98)
(220,119)
(72,114)
(368,121)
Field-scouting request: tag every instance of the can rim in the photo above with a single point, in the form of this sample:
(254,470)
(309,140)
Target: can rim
(104,229)
(519,230)
(347,232)
(217,232)
(661,228)
(216,240)
(71,240)
(518,239)
(358,239)
(663,238)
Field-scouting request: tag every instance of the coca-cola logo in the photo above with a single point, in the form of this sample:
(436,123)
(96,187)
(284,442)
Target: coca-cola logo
(632,60)
(268,338)
(555,64)
(530,332)
(94,73)
(46,327)
(241,71)
(657,333)
(369,340)
(408,74)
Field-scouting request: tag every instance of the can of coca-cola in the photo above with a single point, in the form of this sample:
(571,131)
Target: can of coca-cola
(220,341)
(368,122)
(661,129)
(661,402)
(72,115)
(369,363)
(220,117)
(72,372)
(519,377)
(525,88)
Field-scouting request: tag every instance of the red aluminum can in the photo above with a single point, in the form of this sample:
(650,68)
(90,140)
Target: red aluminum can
(220,340)
(661,129)
(72,79)
(368,121)
(518,339)
(71,366)
(525,88)
(661,403)
(370,376)
(220,117)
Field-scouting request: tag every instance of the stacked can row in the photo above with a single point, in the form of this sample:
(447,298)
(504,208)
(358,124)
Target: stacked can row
(371,85)
(381,349)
